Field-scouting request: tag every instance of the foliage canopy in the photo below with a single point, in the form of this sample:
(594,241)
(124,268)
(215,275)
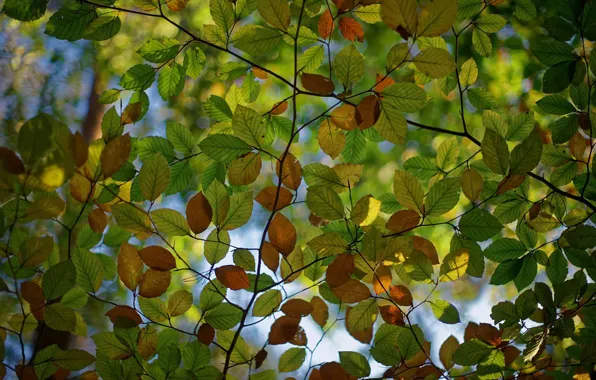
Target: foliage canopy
(360,166)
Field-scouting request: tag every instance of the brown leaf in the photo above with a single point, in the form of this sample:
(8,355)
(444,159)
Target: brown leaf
(232,277)
(206,334)
(81,189)
(11,162)
(300,339)
(130,266)
(131,113)
(325,24)
(471,184)
(267,196)
(291,172)
(401,295)
(297,308)
(318,84)
(279,108)
(79,149)
(351,291)
(367,112)
(382,279)
(124,317)
(392,315)
(198,213)
(511,353)
(383,82)
(315,375)
(320,312)
(283,330)
(115,154)
(344,117)
(98,220)
(403,220)
(158,258)
(176,5)
(426,246)
(154,283)
(510,182)
(446,351)
(333,371)
(26,372)
(260,358)
(147,342)
(270,256)
(33,294)
(351,29)
(340,270)
(282,234)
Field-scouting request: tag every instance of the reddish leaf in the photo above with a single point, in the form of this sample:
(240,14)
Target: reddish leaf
(124,317)
(401,295)
(11,162)
(351,29)
(232,277)
(425,246)
(206,334)
(392,315)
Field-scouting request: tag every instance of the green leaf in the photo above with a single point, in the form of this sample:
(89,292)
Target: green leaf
(555,105)
(224,148)
(355,147)
(325,203)
(479,225)
(527,273)
(391,124)
(181,138)
(240,211)
(442,196)
(550,52)
(311,59)
(526,304)
(275,12)
(138,78)
(408,342)
(526,155)
(558,77)
(131,218)
(108,344)
(89,270)
(256,40)
(521,126)
(582,237)
(43,361)
(102,28)
(471,352)
(408,191)
(250,88)
(481,98)
(171,81)
(159,50)
(434,62)
(223,317)
(556,270)
(74,360)
(564,174)
(505,249)
(195,356)
(362,316)
(525,10)
(25,10)
(423,168)
(222,12)
(419,267)
(291,360)
(267,303)
(317,174)
(169,357)
(348,66)
(354,363)
(60,317)
(481,42)
(59,279)
(445,312)
(216,246)
(506,272)
(491,23)
(247,125)
(170,222)
(406,97)
(154,177)
(69,22)
(448,153)
(194,62)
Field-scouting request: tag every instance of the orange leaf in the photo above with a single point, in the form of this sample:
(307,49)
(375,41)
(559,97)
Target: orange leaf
(259,73)
(344,117)
(403,220)
(11,162)
(340,270)
(176,5)
(318,84)
(320,312)
(351,291)
(206,334)
(283,330)
(266,197)
(367,112)
(382,279)
(282,234)
(98,220)
(154,283)
(401,295)
(124,317)
(115,154)
(291,173)
(325,25)
(130,266)
(198,213)
(279,108)
(232,277)
(351,29)
(297,308)
(79,149)
(270,256)
(383,82)
(392,315)
(158,258)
